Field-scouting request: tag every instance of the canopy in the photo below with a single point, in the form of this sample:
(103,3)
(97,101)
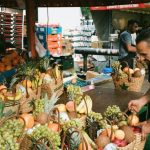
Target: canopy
(69,3)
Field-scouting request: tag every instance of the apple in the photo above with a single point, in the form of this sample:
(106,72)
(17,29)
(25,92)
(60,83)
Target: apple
(137,130)
(123,143)
(117,141)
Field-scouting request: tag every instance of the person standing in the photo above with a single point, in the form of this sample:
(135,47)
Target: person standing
(127,49)
(143,49)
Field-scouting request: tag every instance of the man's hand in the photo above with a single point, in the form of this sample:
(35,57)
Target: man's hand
(145,128)
(136,105)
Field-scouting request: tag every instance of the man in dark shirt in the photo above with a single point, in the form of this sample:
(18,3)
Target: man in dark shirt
(127,50)
(143,49)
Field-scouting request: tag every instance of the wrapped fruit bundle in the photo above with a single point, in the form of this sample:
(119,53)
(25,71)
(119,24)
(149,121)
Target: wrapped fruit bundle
(127,79)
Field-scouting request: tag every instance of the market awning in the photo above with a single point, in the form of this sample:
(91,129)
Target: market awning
(118,7)
(70,3)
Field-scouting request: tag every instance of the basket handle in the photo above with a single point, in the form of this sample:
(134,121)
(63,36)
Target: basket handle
(83,98)
(42,140)
(129,75)
(79,132)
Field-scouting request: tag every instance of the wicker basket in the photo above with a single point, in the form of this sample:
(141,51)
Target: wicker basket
(26,103)
(128,83)
(137,144)
(11,106)
(73,130)
(134,84)
(28,144)
(55,86)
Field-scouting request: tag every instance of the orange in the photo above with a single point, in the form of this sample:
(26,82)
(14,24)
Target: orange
(28,82)
(29,120)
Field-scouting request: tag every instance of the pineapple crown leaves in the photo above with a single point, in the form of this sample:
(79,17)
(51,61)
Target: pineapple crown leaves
(49,103)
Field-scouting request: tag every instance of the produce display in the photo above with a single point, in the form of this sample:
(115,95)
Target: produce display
(44,123)
(10,61)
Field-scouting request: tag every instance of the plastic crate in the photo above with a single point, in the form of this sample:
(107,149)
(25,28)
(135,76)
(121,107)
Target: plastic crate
(49,30)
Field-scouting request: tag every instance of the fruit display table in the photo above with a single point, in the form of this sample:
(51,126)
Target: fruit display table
(102,97)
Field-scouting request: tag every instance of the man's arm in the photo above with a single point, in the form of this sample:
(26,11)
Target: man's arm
(127,40)
(130,48)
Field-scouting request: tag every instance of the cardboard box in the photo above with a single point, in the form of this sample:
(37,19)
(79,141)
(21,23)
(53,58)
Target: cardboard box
(55,51)
(54,44)
(67,47)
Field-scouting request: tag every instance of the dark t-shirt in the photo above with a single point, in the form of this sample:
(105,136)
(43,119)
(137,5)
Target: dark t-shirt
(125,38)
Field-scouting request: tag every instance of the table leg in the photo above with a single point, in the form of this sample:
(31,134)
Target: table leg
(85,62)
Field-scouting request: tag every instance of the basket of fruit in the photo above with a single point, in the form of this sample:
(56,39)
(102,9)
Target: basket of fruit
(53,81)
(10,101)
(122,134)
(11,132)
(79,107)
(41,137)
(127,79)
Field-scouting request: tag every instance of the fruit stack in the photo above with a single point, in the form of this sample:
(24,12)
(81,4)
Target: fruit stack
(127,78)
(51,38)
(10,61)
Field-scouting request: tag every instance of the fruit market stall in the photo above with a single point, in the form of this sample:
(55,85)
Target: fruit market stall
(44,116)
(37,113)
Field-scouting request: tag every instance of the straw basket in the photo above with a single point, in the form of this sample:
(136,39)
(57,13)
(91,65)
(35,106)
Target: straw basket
(137,144)
(28,144)
(128,82)
(26,102)
(134,84)
(11,106)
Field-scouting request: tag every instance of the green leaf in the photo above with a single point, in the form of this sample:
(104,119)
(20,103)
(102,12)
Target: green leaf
(13,81)
(49,103)
(1,109)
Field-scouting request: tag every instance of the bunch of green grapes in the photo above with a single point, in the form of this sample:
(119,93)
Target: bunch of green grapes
(43,131)
(71,124)
(112,112)
(78,99)
(9,134)
(97,117)
(73,91)
(38,107)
